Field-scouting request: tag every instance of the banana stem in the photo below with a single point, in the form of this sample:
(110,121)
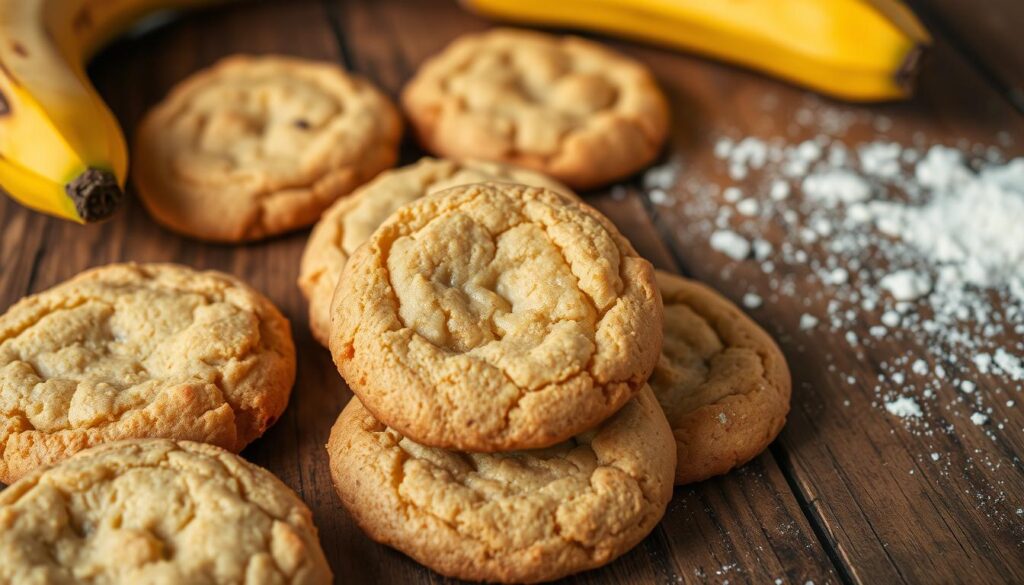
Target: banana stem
(95,193)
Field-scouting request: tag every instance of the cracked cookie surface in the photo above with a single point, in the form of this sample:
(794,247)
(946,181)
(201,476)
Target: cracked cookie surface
(521,516)
(564,106)
(256,146)
(722,381)
(493,316)
(157,511)
(139,350)
(351,220)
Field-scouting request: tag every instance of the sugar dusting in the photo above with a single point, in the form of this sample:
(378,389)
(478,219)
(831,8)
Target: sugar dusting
(918,243)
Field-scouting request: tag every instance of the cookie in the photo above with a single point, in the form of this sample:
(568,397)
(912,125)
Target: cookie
(521,516)
(351,220)
(492,317)
(157,511)
(139,350)
(722,381)
(257,146)
(564,106)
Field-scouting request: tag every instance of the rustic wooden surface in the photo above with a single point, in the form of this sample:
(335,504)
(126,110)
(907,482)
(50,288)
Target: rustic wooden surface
(830,502)
(988,34)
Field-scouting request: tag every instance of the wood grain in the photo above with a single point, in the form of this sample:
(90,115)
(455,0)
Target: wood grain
(988,34)
(832,501)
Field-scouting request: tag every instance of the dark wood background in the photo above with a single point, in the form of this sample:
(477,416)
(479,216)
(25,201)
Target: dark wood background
(830,502)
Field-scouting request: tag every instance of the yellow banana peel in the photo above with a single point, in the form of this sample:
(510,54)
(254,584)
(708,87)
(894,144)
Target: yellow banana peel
(857,50)
(62,151)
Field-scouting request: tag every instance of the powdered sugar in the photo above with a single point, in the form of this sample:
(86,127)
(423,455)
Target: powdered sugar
(943,234)
(905,256)
(904,407)
(906,285)
(834,186)
(731,244)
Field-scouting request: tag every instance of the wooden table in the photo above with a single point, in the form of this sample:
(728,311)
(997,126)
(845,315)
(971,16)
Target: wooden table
(830,502)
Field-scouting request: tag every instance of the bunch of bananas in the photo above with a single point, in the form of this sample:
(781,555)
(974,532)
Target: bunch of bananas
(63,153)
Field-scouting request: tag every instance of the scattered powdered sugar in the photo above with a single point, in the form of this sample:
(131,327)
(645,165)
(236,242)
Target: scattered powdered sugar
(924,241)
(908,256)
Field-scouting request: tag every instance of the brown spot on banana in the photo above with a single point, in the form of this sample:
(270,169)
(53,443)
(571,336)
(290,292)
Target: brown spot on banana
(5,106)
(19,49)
(82,22)
(95,193)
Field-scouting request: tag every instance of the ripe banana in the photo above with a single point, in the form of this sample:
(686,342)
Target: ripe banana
(859,50)
(61,149)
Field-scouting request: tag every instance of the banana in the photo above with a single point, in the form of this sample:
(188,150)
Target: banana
(62,151)
(858,50)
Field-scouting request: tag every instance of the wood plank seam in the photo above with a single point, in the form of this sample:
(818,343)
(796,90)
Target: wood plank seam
(334,22)
(813,518)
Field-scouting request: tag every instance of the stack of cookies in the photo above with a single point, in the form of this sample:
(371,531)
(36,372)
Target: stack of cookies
(499,338)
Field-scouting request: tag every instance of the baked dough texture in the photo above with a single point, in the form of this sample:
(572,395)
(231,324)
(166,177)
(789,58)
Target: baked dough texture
(492,317)
(351,220)
(722,381)
(257,146)
(139,350)
(522,516)
(564,106)
(157,511)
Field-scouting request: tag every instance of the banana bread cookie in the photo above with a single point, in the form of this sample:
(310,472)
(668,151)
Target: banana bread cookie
(564,106)
(157,511)
(257,146)
(523,516)
(351,220)
(722,381)
(491,317)
(139,350)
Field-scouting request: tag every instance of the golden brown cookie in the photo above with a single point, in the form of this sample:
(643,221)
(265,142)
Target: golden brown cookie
(566,107)
(493,316)
(521,516)
(139,350)
(157,511)
(350,221)
(257,146)
(722,381)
